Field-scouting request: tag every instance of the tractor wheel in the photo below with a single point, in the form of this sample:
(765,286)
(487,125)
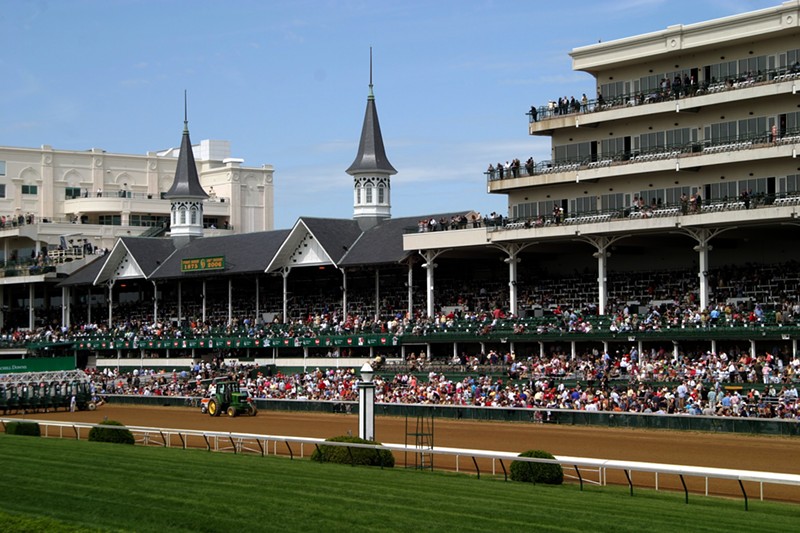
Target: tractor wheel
(252,410)
(231,411)
(213,408)
(91,406)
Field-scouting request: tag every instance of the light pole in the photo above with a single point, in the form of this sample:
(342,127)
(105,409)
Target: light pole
(366,404)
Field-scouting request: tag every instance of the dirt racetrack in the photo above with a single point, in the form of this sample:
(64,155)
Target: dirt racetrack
(723,450)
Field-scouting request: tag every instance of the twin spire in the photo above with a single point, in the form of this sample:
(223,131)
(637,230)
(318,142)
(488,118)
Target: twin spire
(371,155)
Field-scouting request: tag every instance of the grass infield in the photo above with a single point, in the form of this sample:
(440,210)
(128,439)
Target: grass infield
(64,485)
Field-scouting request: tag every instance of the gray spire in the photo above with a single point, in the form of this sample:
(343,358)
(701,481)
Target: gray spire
(186,183)
(371,154)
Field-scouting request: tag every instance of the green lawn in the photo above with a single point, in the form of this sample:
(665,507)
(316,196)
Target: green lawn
(66,485)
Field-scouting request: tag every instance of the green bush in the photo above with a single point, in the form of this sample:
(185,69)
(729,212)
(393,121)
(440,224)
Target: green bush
(30,429)
(111,434)
(551,474)
(349,456)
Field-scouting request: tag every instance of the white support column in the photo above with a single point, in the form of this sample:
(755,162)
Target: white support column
(602,244)
(752,348)
(703,236)
(713,346)
(541,349)
(605,347)
(377,294)
(285,273)
(573,350)
(31,314)
(2,303)
(258,311)
(344,293)
(429,265)
(410,283)
(204,301)
(89,306)
(794,347)
(230,301)
(512,259)
(180,303)
(65,292)
(110,284)
(155,302)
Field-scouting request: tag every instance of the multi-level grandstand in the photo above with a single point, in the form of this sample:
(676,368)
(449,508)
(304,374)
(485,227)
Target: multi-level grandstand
(664,221)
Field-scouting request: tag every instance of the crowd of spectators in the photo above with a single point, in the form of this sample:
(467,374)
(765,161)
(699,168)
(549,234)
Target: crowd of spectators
(15,221)
(656,382)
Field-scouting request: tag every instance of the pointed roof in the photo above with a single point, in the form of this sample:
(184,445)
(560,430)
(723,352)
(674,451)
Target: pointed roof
(186,183)
(383,244)
(371,153)
(315,241)
(245,253)
(134,258)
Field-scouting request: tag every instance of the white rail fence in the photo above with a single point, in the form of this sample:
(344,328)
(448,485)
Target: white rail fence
(224,441)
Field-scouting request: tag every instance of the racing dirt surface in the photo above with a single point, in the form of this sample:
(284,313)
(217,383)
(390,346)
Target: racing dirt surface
(723,450)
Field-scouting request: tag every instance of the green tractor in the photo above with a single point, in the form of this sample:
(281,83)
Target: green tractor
(228,398)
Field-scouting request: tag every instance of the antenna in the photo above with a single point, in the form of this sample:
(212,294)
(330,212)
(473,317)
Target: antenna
(185,110)
(370,72)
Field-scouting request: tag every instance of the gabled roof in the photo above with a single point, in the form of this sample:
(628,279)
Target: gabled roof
(134,258)
(384,243)
(186,183)
(316,241)
(244,253)
(371,155)
(86,274)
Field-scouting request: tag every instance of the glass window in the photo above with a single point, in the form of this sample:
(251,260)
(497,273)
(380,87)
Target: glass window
(110,220)
(30,189)
(584,204)
(72,192)
(791,183)
(612,201)
(2,168)
(369,195)
(381,194)
(2,190)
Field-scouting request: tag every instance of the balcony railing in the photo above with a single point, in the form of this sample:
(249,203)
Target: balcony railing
(552,109)
(717,145)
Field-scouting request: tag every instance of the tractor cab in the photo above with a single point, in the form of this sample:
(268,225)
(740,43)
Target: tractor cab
(229,398)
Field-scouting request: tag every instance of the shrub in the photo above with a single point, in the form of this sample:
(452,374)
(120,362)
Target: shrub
(355,456)
(551,474)
(111,434)
(30,429)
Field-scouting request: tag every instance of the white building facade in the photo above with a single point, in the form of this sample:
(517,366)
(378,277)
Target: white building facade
(95,196)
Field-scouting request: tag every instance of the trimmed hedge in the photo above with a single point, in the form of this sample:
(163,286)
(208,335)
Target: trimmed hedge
(551,474)
(111,434)
(30,429)
(353,456)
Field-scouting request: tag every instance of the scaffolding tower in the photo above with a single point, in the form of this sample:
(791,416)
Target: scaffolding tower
(419,439)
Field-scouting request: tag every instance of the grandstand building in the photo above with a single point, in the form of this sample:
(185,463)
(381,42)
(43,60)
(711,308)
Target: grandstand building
(59,208)
(669,196)
(688,145)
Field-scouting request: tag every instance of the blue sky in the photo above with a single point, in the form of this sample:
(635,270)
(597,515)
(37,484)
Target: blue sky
(286,83)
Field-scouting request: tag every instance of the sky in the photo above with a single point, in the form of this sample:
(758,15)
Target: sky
(286,82)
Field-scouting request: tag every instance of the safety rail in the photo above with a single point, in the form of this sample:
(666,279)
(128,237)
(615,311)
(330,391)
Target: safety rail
(259,444)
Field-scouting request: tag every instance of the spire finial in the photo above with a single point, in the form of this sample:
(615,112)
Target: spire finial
(185,111)
(370,73)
